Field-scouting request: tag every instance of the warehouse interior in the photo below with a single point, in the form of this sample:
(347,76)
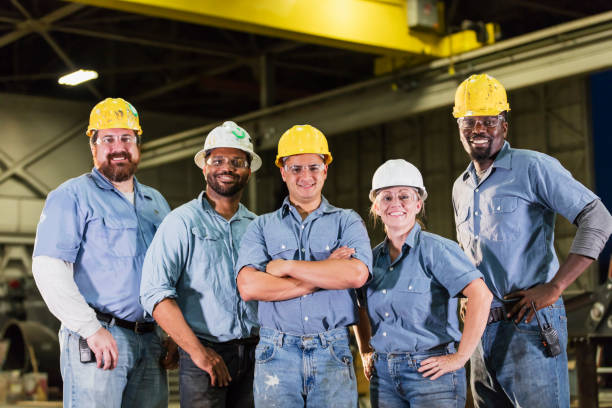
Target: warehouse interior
(376,76)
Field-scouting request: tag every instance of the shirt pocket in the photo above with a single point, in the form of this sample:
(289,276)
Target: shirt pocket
(503,222)
(208,247)
(121,236)
(321,249)
(281,246)
(415,298)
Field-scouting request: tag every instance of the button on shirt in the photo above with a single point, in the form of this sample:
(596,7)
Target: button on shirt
(505,223)
(412,302)
(284,235)
(88,222)
(192,260)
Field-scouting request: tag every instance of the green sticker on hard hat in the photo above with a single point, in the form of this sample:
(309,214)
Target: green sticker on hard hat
(132,109)
(240,135)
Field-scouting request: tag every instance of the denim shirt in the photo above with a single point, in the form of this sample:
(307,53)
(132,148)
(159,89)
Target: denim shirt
(88,222)
(412,301)
(505,223)
(284,235)
(192,260)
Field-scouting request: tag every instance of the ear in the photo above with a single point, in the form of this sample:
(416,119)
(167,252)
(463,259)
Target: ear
(283,174)
(505,128)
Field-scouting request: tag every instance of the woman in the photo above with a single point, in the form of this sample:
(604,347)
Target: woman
(408,325)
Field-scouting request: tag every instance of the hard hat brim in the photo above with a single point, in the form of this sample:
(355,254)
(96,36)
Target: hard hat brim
(200,158)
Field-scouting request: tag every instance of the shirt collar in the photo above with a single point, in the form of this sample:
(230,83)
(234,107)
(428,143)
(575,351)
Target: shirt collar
(503,160)
(105,184)
(324,208)
(411,239)
(242,211)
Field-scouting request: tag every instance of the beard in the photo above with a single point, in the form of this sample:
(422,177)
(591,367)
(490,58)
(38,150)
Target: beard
(224,189)
(118,172)
(477,153)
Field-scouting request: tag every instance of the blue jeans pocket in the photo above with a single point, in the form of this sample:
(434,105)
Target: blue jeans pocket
(264,352)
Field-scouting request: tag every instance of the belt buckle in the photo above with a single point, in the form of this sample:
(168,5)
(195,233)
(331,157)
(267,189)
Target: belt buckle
(136,328)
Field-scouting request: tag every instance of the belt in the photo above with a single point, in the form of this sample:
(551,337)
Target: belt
(136,327)
(496,314)
(247,341)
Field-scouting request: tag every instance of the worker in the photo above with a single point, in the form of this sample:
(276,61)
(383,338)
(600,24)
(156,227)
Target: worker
(505,205)
(301,262)
(90,243)
(408,326)
(189,282)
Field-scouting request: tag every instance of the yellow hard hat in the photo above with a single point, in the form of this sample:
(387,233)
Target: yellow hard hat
(301,139)
(113,113)
(480,95)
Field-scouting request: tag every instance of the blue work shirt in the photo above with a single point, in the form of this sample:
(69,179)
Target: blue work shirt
(88,222)
(412,301)
(284,235)
(505,223)
(191,260)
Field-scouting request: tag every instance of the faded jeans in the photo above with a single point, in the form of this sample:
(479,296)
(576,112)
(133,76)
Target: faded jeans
(396,382)
(137,381)
(194,383)
(304,371)
(510,368)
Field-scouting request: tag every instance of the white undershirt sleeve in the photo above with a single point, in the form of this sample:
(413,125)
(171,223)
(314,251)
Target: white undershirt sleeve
(55,280)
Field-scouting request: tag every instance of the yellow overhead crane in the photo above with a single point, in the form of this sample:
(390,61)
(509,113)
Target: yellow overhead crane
(378,27)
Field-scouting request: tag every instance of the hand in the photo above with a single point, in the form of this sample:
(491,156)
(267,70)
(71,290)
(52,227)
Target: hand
(439,365)
(542,295)
(368,364)
(170,356)
(343,252)
(211,362)
(277,268)
(103,345)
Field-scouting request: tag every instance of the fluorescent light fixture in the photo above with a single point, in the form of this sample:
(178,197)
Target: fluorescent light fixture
(78,77)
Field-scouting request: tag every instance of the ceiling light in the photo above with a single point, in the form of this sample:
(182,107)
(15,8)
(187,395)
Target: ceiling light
(78,77)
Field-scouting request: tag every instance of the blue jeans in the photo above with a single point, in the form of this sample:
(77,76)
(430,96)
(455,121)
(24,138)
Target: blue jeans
(137,381)
(194,383)
(396,383)
(510,368)
(304,371)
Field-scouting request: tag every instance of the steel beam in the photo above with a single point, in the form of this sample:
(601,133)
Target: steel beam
(429,87)
(371,26)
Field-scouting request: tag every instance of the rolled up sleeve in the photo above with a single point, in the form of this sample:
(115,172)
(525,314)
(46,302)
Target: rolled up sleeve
(164,262)
(355,235)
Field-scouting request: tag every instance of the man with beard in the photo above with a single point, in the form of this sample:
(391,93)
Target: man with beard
(302,262)
(189,284)
(505,205)
(90,244)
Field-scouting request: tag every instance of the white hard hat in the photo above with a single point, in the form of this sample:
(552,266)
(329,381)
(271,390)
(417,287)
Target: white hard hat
(397,172)
(228,135)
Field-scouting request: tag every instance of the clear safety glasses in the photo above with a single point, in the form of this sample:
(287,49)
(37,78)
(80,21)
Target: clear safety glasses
(470,122)
(235,162)
(296,169)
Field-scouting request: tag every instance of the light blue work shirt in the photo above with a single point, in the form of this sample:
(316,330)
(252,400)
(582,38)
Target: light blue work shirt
(505,224)
(283,234)
(192,260)
(88,222)
(412,301)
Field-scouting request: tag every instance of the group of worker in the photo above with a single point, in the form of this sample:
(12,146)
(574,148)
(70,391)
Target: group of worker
(257,309)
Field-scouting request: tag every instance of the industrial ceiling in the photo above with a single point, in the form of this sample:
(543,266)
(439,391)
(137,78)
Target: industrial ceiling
(179,65)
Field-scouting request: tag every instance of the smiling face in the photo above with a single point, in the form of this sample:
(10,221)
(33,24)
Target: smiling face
(225,179)
(483,142)
(398,207)
(304,186)
(116,160)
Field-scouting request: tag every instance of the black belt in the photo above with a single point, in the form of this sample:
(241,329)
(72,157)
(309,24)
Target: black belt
(247,341)
(496,314)
(136,327)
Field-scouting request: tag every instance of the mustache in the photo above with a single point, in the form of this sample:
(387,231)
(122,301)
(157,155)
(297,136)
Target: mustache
(124,154)
(480,135)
